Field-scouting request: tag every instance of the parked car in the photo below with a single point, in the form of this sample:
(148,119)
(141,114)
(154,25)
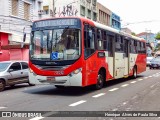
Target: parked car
(149,60)
(13,72)
(155,63)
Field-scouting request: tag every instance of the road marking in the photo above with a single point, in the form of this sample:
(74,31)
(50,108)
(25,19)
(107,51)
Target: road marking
(140,79)
(114,89)
(116,109)
(37,118)
(2,107)
(77,103)
(98,95)
(133,82)
(145,77)
(152,86)
(150,76)
(124,85)
(125,103)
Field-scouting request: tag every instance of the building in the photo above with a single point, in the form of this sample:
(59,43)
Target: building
(126,30)
(16,16)
(83,8)
(148,36)
(104,14)
(115,21)
(150,40)
(47,9)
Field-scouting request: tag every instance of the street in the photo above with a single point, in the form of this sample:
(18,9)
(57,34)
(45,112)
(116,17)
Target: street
(141,94)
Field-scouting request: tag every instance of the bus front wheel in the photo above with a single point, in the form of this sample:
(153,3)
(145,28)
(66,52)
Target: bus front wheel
(100,80)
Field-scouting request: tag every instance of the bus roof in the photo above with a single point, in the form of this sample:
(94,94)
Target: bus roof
(99,25)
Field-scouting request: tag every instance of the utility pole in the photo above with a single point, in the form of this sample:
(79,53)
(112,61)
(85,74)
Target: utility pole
(53,9)
(148,32)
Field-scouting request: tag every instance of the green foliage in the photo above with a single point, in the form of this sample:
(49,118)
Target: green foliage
(134,34)
(158,36)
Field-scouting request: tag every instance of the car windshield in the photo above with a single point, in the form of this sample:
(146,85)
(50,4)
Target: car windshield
(56,44)
(4,66)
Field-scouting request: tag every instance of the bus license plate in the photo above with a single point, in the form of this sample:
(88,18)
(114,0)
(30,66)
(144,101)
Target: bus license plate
(50,78)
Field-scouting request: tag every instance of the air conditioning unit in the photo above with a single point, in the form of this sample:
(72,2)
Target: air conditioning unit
(40,12)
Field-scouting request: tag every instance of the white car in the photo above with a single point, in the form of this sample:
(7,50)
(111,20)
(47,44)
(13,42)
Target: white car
(13,72)
(149,60)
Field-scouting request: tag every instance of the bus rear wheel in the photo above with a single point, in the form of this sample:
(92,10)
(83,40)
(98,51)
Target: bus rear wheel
(134,76)
(100,81)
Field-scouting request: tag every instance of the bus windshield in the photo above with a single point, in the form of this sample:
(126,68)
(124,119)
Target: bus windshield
(55,44)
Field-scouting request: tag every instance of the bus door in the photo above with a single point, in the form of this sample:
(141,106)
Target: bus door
(126,55)
(119,57)
(89,56)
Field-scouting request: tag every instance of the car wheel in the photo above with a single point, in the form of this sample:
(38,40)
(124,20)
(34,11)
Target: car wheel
(2,85)
(100,81)
(150,67)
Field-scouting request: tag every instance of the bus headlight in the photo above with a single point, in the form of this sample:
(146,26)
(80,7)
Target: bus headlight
(75,72)
(31,71)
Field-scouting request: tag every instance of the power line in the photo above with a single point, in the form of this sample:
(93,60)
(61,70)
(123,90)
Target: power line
(139,22)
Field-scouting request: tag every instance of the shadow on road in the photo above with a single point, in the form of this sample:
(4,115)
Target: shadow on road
(18,86)
(71,91)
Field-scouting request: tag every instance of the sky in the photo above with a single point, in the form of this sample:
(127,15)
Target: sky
(137,15)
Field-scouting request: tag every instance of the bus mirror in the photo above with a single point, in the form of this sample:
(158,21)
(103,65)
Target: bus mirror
(24,37)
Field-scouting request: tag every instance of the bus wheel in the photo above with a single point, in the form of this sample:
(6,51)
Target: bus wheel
(100,81)
(2,85)
(134,73)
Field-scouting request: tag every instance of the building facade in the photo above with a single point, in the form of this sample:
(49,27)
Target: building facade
(115,21)
(150,40)
(104,14)
(16,16)
(47,9)
(63,8)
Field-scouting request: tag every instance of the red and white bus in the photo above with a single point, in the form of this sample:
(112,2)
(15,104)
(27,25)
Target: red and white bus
(75,51)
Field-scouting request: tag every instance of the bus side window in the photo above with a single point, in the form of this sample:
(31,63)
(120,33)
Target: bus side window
(99,38)
(110,45)
(89,41)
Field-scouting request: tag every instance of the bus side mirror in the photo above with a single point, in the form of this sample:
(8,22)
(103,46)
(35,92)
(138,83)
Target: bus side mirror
(24,37)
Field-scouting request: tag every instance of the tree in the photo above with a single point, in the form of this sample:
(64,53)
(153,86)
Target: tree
(158,36)
(133,33)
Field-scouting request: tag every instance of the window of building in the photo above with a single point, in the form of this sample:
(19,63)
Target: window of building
(89,14)
(94,16)
(89,1)
(15,7)
(26,11)
(46,10)
(82,10)
(94,2)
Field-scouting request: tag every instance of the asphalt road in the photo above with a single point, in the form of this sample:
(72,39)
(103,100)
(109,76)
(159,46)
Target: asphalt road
(141,94)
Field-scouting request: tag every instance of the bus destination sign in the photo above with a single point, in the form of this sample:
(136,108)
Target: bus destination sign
(55,22)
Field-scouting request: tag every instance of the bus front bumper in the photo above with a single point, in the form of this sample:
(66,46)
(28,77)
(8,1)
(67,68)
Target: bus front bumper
(74,80)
